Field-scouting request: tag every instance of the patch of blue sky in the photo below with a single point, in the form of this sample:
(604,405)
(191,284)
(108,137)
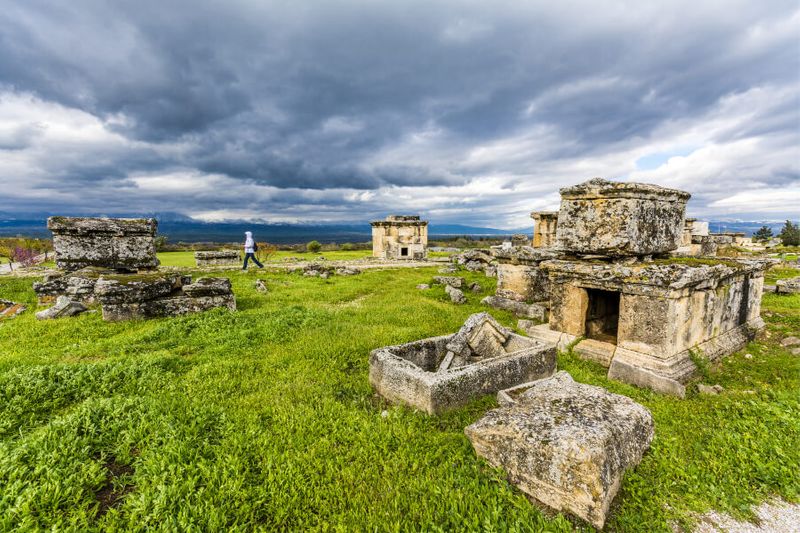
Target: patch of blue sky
(656,159)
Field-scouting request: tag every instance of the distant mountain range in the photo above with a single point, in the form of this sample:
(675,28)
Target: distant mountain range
(179,228)
(188,230)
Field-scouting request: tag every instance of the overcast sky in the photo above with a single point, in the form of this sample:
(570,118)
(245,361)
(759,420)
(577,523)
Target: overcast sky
(464,112)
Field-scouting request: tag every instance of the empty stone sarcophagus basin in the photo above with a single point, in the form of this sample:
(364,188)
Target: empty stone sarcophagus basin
(441,373)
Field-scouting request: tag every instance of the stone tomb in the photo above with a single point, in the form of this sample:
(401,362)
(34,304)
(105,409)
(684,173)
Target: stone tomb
(131,296)
(544,228)
(522,286)
(400,237)
(565,444)
(441,373)
(644,320)
(614,219)
(217,258)
(117,243)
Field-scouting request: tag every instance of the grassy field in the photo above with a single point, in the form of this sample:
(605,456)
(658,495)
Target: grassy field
(264,419)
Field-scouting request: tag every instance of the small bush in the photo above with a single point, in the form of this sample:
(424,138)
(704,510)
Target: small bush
(314,247)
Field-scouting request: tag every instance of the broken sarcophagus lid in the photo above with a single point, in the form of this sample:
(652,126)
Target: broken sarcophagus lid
(449,371)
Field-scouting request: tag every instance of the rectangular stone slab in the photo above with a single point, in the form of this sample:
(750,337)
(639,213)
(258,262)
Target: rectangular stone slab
(565,444)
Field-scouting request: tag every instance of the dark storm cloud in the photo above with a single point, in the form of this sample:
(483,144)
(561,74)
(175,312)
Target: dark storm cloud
(295,95)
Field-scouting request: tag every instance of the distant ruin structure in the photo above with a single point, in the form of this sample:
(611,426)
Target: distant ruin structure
(117,243)
(217,258)
(400,237)
(544,228)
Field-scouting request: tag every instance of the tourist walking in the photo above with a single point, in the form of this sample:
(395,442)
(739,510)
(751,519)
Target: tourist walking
(250,248)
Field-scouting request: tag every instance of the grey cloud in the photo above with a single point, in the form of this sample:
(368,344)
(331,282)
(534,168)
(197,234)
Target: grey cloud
(247,88)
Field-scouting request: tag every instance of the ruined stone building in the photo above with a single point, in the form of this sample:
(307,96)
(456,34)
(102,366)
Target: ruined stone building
(611,285)
(400,237)
(544,228)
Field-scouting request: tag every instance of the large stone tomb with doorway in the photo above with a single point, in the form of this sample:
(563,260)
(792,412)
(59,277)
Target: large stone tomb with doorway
(646,320)
(126,244)
(445,372)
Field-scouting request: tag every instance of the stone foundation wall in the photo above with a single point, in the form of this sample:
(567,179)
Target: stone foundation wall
(117,243)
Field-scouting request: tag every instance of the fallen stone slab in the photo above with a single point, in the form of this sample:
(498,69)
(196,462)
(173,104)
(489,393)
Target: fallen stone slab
(216,257)
(347,271)
(456,296)
(520,309)
(451,281)
(790,341)
(788,286)
(9,309)
(565,444)
(63,307)
(208,287)
(710,390)
(261,285)
(133,288)
(418,373)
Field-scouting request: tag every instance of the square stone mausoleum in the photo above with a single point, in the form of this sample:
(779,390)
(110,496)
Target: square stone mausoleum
(544,228)
(401,237)
(117,243)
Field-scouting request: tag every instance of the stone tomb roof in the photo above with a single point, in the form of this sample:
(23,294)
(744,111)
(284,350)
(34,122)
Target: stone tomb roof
(400,220)
(601,188)
(660,276)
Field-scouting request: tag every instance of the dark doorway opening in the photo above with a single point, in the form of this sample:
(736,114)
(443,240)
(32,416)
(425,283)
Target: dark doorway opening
(602,315)
(403,252)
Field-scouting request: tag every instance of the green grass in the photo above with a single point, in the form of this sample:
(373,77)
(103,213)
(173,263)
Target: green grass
(186,259)
(264,419)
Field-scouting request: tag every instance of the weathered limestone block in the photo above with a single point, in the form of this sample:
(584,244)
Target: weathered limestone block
(525,283)
(521,309)
(427,375)
(118,243)
(78,285)
(456,295)
(450,281)
(347,271)
(123,289)
(215,258)
(565,444)
(208,287)
(788,286)
(600,217)
(9,309)
(62,308)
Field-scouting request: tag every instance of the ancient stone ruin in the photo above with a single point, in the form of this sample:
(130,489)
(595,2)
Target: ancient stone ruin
(612,287)
(522,286)
(400,237)
(117,243)
(544,228)
(217,258)
(441,373)
(101,257)
(565,444)
(9,309)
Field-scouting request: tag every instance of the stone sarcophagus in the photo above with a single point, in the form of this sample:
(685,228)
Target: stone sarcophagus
(216,258)
(617,219)
(115,243)
(441,373)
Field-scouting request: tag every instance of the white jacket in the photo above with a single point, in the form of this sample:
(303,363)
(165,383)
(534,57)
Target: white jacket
(248,243)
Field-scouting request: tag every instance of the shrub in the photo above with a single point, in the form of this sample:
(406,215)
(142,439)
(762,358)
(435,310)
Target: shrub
(265,251)
(314,247)
(790,234)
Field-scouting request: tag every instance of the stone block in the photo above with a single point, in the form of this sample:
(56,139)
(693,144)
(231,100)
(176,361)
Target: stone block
(9,309)
(208,287)
(117,243)
(536,311)
(216,258)
(788,286)
(565,444)
(600,217)
(427,375)
(62,308)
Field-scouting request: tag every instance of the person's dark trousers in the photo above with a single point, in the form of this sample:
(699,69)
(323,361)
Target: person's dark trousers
(247,257)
